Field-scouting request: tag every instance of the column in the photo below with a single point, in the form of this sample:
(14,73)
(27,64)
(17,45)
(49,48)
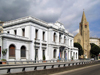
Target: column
(27,31)
(19,31)
(57,53)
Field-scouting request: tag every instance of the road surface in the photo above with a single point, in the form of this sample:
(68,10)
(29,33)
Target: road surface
(89,70)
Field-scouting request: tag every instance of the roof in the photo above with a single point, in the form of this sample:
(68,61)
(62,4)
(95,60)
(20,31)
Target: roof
(83,17)
(56,25)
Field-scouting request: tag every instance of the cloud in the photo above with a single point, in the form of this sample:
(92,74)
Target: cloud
(68,12)
(75,32)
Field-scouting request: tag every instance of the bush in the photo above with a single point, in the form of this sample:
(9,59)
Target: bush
(4,51)
(3,59)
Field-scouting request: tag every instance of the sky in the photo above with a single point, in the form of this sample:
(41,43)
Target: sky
(68,12)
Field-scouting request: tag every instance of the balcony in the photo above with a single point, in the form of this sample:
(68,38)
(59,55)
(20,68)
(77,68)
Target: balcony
(43,41)
(62,44)
(37,40)
(37,45)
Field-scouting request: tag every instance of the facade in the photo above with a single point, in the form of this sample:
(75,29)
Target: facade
(29,38)
(83,36)
(95,41)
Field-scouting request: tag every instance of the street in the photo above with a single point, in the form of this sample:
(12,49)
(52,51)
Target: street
(90,70)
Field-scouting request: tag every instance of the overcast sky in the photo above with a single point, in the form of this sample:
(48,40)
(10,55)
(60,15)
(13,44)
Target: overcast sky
(68,12)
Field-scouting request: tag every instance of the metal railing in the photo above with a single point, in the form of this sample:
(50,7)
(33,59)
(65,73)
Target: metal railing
(45,66)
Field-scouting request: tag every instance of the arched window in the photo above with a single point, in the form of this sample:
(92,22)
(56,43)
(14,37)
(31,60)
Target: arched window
(23,51)
(12,51)
(23,32)
(64,39)
(43,35)
(85,26)
(59,37)
(54,54)
(54,37)
(36,34)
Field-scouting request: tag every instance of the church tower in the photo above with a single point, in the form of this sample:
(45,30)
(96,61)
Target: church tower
(84,32)
(83,36)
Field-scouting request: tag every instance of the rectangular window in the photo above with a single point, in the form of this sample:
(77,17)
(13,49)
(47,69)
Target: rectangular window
(15,32)
(23,32)
(43,52)
(43,35)
(64,39)
(36,53)
(8,32)
(59,38)
(0,51)
(71,54)
(70,42)
(36,34)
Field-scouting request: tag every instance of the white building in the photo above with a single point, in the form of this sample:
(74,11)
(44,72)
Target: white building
(29,38)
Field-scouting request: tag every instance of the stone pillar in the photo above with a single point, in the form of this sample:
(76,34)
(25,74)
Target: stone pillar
(19,31)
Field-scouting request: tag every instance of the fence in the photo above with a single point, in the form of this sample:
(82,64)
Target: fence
(36,66)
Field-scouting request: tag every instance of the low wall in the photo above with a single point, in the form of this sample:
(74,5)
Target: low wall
(44,68)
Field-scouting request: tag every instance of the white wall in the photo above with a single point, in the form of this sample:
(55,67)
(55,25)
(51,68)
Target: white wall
(18,44)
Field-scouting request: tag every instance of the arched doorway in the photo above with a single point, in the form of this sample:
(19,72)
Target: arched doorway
(23,52)
(12,51)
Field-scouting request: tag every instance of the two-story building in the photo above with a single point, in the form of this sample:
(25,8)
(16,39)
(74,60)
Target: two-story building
(29,38)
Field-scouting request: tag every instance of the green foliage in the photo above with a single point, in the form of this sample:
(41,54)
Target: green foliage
(95,50)
(44,57)
(79,47)
(4,51)
(3,59)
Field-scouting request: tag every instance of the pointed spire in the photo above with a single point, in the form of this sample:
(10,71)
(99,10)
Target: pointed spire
(83,17)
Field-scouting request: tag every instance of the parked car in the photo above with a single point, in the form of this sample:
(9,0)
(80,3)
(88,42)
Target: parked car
(92,59)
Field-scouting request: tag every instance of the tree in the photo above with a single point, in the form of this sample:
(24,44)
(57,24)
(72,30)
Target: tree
(79,47)
(95,50)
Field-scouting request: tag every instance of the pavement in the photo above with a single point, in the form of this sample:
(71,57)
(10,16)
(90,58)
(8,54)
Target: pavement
(88,70)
